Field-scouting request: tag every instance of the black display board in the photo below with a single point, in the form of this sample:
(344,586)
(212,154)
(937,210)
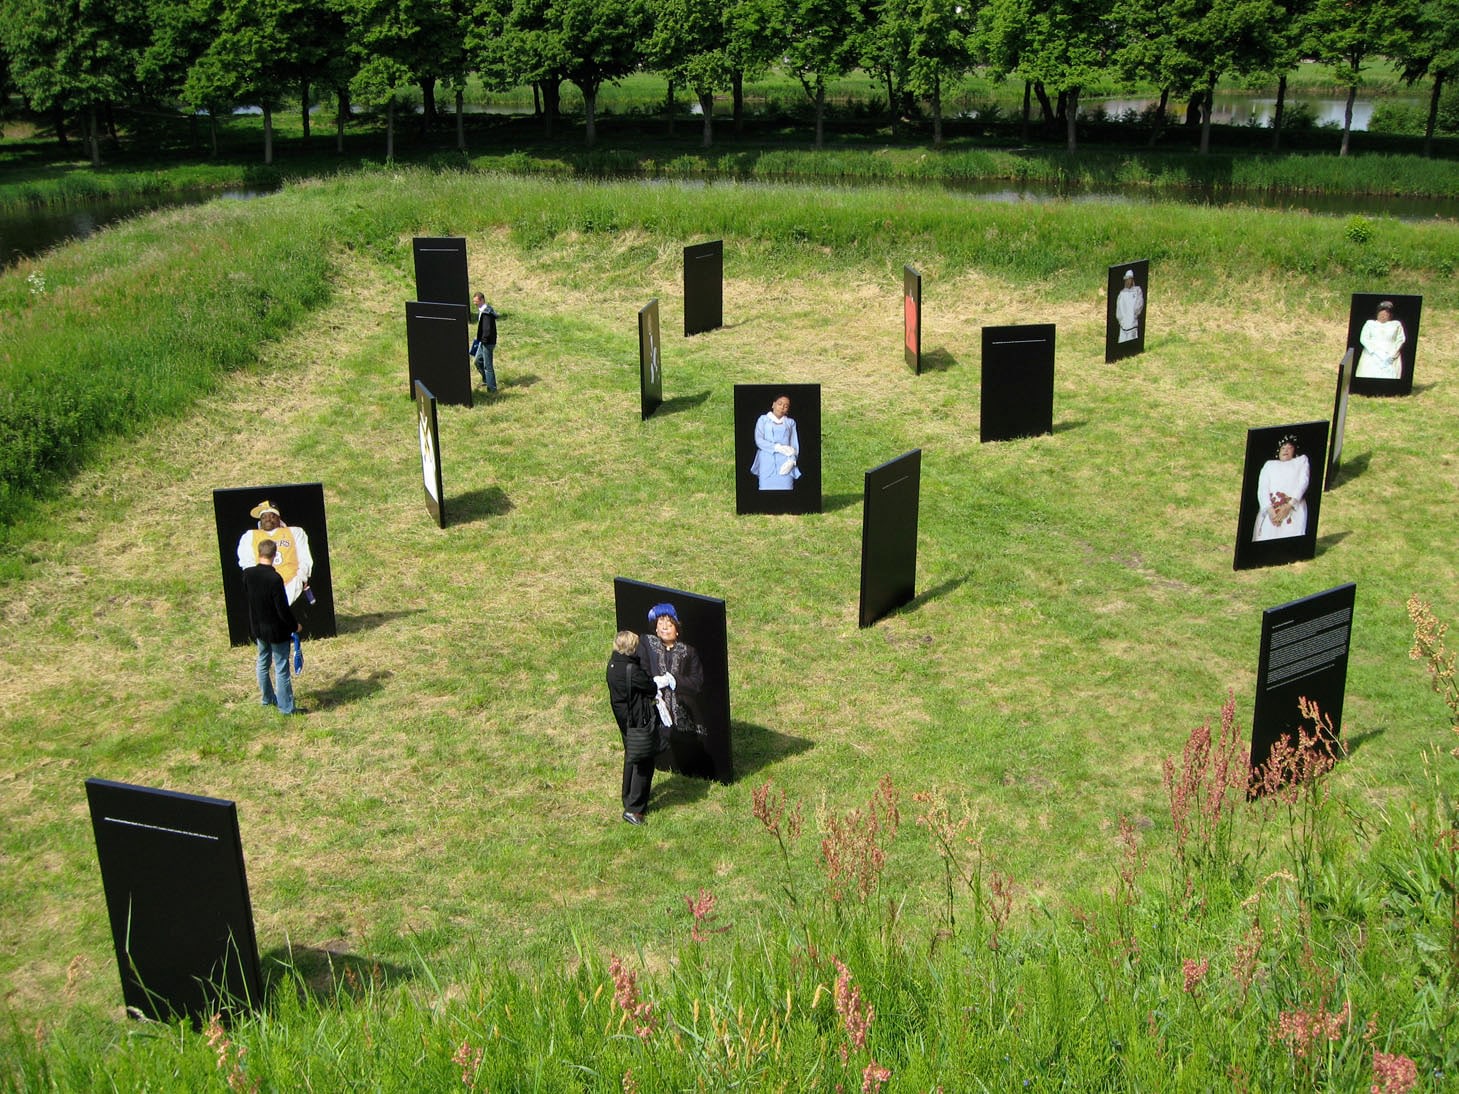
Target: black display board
(759,485)
(1124,324)
(440,269)
(438,340)
(301,508)
(1304,655)
(912,318)
(177,898)
(650,374)
(1339,417)
(702,620)
(430,452)
(1280,498)
(889,536)
(1374,339)
(1018,382)
(703,287)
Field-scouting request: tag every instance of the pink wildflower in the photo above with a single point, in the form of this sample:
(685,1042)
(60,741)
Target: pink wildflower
(1195,972)
(625,994)
(468,1059)
(873,1077)
(1393,1074)
(703,912)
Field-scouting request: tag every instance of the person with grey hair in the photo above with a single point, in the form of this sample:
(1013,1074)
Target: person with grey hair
(631,694)
(1382,339)
(1129,306)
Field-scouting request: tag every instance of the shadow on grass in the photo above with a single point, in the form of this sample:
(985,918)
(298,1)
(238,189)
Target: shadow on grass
(1354,741)
(680,403)
(1350,469)
(1327,543)
(349,688)
(832,502)
(941,589)
(757,747)
(937,360)
(354,624)
(324,973)
(1072,424)
(490,501)
(503,383)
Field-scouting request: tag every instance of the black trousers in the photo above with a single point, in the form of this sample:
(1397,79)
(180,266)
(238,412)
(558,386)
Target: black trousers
(637,781)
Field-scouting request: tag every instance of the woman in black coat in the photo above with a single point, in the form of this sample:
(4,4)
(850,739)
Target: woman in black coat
(631,694)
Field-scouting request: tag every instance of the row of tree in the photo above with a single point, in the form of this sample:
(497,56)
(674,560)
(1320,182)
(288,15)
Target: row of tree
(81,58)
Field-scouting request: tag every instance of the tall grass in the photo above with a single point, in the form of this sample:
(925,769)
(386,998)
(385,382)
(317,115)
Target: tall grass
(1255,972)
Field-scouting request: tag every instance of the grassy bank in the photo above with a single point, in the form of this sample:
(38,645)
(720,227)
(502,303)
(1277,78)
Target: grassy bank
(443,823)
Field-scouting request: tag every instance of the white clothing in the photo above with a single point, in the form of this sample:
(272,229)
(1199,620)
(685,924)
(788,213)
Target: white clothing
(1128,307)
(1381,342)
(1282,481)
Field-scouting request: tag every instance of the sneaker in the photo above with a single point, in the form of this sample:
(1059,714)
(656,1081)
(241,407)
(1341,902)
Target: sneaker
(633,818)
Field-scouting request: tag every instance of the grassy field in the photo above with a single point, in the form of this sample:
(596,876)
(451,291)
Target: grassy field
(451,796)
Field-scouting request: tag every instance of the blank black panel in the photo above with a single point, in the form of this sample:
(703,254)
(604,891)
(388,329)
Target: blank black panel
(703,287)
(177,897)
(889,536)
(440,270)
(438,338)
(1018,382)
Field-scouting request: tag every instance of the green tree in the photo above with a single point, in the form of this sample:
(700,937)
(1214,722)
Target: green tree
(885,50)
(602,40)
(181,31)
(753,44)
(820,39)
(74,56)
(1058,44)
(1345,35)
(255,59)
(1425,42)
(382,36)
(943,36)
(690,44)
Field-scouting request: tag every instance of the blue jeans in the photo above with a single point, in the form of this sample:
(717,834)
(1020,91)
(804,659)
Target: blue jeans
(484,355)
(279,653)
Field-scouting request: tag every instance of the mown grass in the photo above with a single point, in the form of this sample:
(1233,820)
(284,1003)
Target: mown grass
(447,809)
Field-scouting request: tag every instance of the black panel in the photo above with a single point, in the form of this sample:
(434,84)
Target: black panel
(702,621)
(440,269)
(302,506)
(438,340)
(912,318)
(703,287)
(1265,534)
(650,360)
(889,536)
(177,898)
(1018,382)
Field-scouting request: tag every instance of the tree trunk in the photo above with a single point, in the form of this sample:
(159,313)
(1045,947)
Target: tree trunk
(706,107)
(1193,109)
(1433,114)
(1071,118)
(1159,130)
(669,108)
(192,130)
(891,99)
(341,116)
(820,113)
(304,96)
(1206,102)
(1061,110)
(737,100)
(460,119)
(590,114)
(111,126)
(551,96)
(93,137)
(1278,112)
(1044,104)
(58,118)
(390,130)
(937,111)
(213,128)
(1347,119)
(428,103)
(268,133)
(536,99)
(1027,108)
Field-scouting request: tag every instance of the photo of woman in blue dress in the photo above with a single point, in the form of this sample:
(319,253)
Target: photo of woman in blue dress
(777,448)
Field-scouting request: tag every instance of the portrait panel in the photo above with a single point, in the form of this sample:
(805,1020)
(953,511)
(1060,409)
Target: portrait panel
(912,318)
(650,365)
(706,755)
(777,448)
(430,452)
(1281,494)
(1383,331)
(303,554)
(1129,294)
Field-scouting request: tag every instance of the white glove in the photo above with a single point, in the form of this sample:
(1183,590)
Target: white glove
(669,681)
(661,681)
(784,450)
(786,466)
(664,712)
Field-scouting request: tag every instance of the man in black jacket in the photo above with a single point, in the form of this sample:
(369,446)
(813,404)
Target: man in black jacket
(484,348)
(271,622)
